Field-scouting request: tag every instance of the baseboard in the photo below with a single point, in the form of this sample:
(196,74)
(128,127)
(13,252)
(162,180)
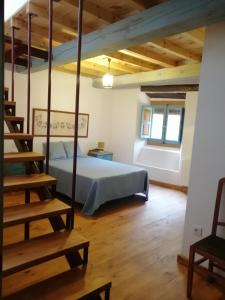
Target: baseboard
(179,188)
(183,260)
(202,271)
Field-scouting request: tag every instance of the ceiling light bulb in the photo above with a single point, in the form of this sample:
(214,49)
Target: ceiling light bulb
(107,81)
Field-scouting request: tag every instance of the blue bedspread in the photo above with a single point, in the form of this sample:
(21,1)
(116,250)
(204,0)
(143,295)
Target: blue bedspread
(98,180)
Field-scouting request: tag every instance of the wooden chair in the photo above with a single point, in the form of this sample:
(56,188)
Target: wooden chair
(211,248)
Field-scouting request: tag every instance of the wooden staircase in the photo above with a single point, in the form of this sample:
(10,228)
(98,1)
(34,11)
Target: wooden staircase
(63,241)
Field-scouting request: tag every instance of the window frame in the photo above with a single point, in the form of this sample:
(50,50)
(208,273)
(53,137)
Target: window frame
(167,107)
(144,122)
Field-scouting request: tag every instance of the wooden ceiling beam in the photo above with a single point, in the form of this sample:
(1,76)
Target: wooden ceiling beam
(86,70)
(37,41)
(138,4)
(150,56)
(93,9)
(115,65)
(186,72)
(133,61)
(197,36)
(141,4)
(172,48)
(40,32)
(101,67)
(141,28)
(42,13)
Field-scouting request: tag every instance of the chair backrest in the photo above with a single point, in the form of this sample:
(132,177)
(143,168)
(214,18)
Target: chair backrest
(216,222)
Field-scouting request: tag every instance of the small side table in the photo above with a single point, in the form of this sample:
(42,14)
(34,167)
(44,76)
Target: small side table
(101,154)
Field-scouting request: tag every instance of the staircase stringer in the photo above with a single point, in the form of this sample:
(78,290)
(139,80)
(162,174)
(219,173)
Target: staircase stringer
(44,193)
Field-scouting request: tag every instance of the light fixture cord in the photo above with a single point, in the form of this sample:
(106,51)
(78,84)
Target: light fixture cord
(109,60)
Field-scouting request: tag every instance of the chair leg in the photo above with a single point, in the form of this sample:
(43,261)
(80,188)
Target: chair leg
(211,265)
(190,272)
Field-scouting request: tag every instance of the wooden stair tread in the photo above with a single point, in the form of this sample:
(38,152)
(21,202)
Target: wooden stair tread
(18,136)
(9,103)
(20,214)
(26,254)
(70,285)
(18,182)
(13,118)
(23,157)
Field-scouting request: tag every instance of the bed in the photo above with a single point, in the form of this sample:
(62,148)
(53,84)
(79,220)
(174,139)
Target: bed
(98,180)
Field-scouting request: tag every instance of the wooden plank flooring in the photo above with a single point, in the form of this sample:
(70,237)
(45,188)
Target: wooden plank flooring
(134,244)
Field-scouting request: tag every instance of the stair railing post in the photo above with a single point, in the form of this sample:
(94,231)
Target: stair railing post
(50,9)
(13,28)
(1,134)
(29,70)
(13,58)
(77,101)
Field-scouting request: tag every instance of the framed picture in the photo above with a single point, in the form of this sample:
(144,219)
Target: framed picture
(61,123)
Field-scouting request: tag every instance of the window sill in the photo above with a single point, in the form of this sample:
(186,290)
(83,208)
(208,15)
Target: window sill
(164,145)
(163,148)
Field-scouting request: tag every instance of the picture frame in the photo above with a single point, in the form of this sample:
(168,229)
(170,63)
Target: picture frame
(61,122)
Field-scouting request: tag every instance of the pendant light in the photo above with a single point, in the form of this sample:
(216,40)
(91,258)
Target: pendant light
(107,79)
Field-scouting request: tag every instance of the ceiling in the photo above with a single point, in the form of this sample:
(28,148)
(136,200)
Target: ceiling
(177,50)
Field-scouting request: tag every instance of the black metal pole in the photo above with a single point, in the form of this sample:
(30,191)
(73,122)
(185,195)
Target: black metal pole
(1,133)
(80,23)
(28,71)
(50,8)
(13,28)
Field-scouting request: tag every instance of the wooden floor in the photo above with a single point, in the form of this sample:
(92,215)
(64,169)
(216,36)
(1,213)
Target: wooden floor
(135,244)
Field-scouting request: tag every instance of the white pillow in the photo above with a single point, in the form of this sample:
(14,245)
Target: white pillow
(69,147)
(57,150)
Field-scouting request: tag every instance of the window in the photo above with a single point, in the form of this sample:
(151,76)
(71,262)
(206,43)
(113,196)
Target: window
(162,124)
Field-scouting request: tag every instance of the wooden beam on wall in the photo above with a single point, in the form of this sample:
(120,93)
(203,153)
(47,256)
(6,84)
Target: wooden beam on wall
(167,95)
(170,88)
(186,72)
(22,62)
(22,49)
(178,15)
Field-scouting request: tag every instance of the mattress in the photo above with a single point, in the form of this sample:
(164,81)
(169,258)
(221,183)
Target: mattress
(98,180)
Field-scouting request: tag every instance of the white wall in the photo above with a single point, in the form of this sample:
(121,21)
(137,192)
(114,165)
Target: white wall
(126,111)
(114,119)
(163,164)
(96,102)
(208,158)
(191,104)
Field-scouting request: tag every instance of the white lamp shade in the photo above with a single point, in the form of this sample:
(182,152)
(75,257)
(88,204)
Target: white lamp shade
(107,81)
